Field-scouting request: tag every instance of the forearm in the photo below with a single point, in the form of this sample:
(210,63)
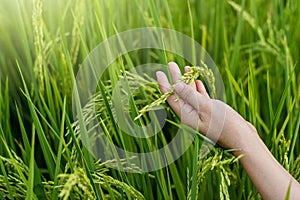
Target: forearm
(268,176)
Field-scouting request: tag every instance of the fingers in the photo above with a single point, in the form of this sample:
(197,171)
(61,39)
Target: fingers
(163,82)
(201,88)
(175,71)
(190,96)
(186,69)
(166,87)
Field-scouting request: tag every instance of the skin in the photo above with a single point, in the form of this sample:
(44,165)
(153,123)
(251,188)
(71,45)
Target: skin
(221,123)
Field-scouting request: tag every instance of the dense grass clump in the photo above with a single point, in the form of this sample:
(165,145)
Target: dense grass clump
(255,45)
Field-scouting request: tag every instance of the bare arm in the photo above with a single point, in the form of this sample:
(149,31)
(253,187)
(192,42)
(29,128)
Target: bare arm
(221,123)
(268,176)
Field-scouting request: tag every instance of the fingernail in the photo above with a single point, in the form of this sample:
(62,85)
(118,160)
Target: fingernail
(158,74)
(179,87)
(186,68)
(172,64)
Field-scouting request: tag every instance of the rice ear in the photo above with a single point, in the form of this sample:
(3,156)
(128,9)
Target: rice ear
(194,73)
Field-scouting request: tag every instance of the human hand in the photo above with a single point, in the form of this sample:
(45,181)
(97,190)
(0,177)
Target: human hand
(211,117)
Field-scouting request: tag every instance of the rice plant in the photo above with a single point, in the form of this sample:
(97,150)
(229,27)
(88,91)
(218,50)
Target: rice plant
(255,45)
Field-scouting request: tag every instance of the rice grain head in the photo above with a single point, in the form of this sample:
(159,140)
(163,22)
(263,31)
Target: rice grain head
(38,34)
(194,73)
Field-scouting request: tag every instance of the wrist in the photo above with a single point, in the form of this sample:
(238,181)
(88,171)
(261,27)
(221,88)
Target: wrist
(249,142)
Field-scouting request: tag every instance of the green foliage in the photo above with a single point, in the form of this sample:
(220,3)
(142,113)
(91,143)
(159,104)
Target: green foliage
(255,45)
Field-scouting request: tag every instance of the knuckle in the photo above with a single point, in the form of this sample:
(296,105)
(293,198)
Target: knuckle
(189,94)
(187,108)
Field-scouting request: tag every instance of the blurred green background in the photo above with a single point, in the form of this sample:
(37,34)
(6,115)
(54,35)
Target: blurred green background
(42,44)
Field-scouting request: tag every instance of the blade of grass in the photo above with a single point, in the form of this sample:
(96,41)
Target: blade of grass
(252,93)
(59,152)
(294,139)
(39,191)
(194,191)
(30,186)
(270,103)
(280,107)
(237,88)
(237,40)
(46,148)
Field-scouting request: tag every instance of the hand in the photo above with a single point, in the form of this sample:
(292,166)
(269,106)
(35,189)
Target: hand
(211,117)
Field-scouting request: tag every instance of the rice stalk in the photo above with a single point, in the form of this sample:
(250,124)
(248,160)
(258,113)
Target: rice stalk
(249,19)
(218,163)
(78,183)
(96,102)
(11,177)
(295,169)
(118,186)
